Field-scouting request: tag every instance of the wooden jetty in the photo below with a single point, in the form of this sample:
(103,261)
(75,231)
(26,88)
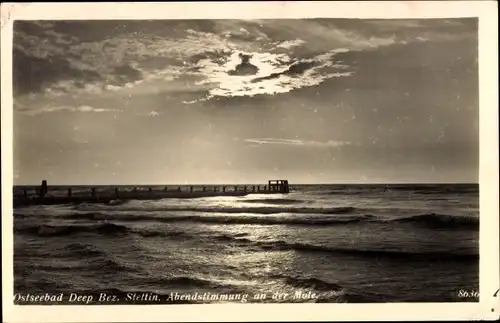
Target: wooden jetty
(45,195)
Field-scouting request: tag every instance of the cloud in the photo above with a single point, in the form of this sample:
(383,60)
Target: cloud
(64,108)
(95,57)
(291,43)
(51,62)
(271,74)
(297,142)
(152,114)
(396,23)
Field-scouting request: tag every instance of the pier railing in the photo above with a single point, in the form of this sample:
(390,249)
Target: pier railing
(45,194)
(97,190)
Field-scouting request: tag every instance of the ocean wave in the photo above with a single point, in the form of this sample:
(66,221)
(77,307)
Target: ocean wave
(436,188)
(277,201)
(238,237)
(429,220)
(222,219)
(150,233)
(260,220)
(41,284)
(180,281)
(84,250)
(420,189)
(308,282)
(336,192)
(96,259)
(176,234)
(235,210)
(368,253)
(435,220)
(106,228)
(117,202)
(83,257)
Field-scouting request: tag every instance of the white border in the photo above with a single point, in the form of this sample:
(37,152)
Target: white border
(489,224)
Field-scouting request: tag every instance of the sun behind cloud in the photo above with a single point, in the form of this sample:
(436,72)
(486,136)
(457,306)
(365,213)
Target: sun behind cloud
(272,73)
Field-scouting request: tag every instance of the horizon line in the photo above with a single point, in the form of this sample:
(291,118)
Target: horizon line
(265,183)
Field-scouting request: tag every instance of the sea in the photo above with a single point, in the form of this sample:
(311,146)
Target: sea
(319,243)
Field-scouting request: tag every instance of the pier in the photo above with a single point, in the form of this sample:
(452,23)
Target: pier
(46,195)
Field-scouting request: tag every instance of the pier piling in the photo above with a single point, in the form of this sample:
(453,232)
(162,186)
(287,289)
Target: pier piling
(43,188)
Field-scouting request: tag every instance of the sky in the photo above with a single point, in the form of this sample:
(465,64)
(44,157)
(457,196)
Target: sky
(244,101)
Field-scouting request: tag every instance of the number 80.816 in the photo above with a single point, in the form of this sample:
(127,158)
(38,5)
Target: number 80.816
(468,293)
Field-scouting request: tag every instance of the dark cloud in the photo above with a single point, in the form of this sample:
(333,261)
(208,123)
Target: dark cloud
(125,73)
(101,53)
(294,69)
(403,29)
(32,74)
(219,56)
(42,58)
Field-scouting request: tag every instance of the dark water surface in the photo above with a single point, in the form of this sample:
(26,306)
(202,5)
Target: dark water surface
(351,243)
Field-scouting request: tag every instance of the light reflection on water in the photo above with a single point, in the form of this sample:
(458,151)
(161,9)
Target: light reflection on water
(351,247)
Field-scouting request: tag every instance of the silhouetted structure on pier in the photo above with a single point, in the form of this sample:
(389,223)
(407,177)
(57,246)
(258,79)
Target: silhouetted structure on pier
(280,186)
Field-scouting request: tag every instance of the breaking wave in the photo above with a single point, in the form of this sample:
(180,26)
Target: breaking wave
(236,210)
(442,220)
(106,228)
(275,201)
(110,228)
(308,282)
(430,220)
(369,253)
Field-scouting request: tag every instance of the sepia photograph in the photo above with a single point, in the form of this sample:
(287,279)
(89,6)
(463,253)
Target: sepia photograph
(265,161)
